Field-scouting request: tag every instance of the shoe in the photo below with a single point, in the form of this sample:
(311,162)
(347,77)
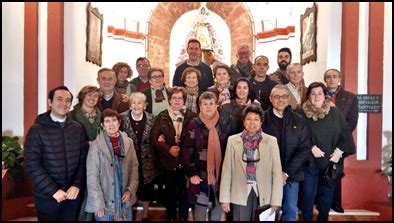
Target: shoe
(338,209)
(145,219)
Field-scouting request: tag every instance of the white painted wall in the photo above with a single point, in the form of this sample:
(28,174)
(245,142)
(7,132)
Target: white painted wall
(12,28)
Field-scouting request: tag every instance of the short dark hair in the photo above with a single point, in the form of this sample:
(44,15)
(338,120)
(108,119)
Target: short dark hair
(153,69)
(51,93)
(142,58)
(109,113)
(188,71)
(193,41)
(251,95)
(334,70)
(253,108)
(207,95)
(177,89)
(285,49)
(106,69)
(315,85)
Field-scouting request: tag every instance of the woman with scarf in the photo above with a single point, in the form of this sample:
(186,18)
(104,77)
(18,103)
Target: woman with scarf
(167,134)
(190,78)
(222,89)
(202,152)
(331,141)
(230,113)
(122,72)
(112,172)
(251,171)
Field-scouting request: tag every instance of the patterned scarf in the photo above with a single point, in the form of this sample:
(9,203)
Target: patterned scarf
(121,87)
(177,120)
(191,100)
(123,211)
(224,93)
(251,144)
(214,154)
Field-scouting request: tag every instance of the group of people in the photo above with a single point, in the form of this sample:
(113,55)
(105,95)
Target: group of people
(232,145)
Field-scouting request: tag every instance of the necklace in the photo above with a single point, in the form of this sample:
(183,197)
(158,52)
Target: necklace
(90,116)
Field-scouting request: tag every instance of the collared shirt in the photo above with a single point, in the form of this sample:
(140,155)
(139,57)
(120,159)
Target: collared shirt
(295,91)
(277,114)
(109,96)
(188,62)
(57,119)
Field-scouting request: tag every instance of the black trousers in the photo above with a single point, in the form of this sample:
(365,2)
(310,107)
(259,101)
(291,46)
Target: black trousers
(175,187)
(337,197)
(48,209)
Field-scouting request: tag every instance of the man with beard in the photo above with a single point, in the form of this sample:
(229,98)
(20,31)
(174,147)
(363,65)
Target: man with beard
(243,67)
(284,59)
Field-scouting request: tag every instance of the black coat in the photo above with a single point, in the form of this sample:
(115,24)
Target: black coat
(55,157)
(347,103)
(295,145)
(164,126)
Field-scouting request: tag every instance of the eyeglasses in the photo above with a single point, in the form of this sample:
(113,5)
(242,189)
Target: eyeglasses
(142,65)
(156,77)
(246,159)
(283,97)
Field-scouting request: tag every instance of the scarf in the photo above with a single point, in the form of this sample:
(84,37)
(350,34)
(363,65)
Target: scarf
(123,211)
(191,99)
(214,154)
(224,93)
(316,113)
(159,96)
(177,120)
(192,90)
(251,144)
(121,87)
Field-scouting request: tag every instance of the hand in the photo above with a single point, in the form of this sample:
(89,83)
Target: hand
(126,196)
(174,151)
(195,179)
(161,138)
(100,213)
(225,207)
(60,195)
(317,153)
(336,155)
(284,177)
(72,193)
(273,208)
(125,98)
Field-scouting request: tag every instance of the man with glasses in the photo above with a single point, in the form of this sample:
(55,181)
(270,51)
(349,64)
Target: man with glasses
(142,82)
(243,67)
(194,52)
(157,94)
(291,132)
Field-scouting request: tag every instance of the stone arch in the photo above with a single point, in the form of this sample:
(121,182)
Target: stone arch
(164,16)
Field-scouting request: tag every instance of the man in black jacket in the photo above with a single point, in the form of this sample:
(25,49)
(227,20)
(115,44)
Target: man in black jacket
(291,131)
(347,103)
(55,154)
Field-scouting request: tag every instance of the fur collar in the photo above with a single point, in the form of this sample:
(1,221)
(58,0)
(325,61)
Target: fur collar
(316,113)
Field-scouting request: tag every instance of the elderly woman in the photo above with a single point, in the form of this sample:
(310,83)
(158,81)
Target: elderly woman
(112,172)
(202,151)
(190,78)
(167,134)
(86,111)
(123,71)
(138,124)
(222,89)
(251,172)
(331,140)
(231,112)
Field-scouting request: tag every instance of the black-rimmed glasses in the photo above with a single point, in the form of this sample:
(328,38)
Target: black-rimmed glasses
(248,160)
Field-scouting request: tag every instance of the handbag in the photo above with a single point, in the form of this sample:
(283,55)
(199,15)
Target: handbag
(331,174)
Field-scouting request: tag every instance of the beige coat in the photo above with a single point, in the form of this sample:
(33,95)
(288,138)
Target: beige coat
(233,187)
(100,174)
